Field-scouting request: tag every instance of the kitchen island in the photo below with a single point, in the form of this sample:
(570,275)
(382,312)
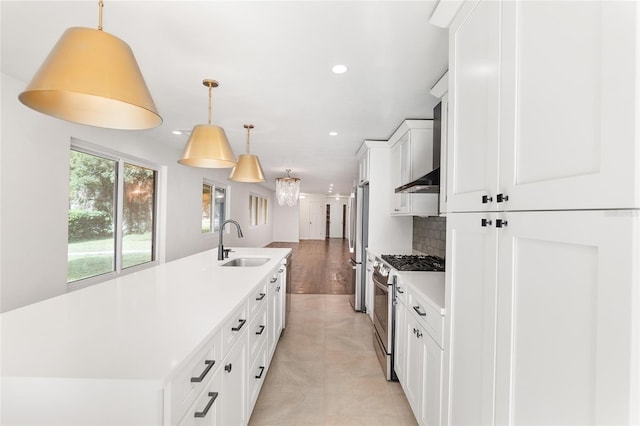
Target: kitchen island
(115,353)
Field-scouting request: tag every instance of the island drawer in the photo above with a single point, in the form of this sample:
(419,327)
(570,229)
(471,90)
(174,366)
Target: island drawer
(258,298)
(257,331)
(190,380)
(235,327)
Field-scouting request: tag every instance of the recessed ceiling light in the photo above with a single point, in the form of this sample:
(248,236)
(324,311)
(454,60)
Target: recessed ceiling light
(339,69)
(177,132)
(333,133)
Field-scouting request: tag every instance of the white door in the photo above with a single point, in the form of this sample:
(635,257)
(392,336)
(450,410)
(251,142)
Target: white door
(337,219)
(567,335)
(317,221)
(569,137)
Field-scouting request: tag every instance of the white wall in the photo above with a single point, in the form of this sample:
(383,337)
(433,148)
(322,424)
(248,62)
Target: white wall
(34,178)
(285,224)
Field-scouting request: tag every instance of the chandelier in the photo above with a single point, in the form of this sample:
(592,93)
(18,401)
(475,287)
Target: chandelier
(288,190)
(91,77)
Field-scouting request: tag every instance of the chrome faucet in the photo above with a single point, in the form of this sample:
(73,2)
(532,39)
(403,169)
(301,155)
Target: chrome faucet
(220,246)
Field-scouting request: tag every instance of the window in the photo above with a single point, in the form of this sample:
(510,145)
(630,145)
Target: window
(214,204)
(258,210)
(112,214)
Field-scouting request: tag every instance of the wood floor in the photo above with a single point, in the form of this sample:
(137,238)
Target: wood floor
(319,266)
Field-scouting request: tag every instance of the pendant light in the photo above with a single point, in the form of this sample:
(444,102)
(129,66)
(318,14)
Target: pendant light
(248,168)
(208,145)
(288,190)
(91,77)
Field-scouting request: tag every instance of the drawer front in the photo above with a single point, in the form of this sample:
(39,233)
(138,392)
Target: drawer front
(273,281)
(235,327)
(206,410)
(258,332)
(256,375)
(257,299)
(428,316)
(190,381)
(401,291)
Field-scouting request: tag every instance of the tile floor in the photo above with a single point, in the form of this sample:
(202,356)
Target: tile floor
(325,372)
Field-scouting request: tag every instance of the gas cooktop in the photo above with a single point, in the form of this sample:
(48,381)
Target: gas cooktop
(414,262)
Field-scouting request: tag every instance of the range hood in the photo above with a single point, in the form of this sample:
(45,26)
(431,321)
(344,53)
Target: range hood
(429,183)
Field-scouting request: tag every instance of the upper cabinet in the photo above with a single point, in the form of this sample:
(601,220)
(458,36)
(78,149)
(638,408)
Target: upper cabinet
(363,168)
(440,120)
(543,112)
(411,158)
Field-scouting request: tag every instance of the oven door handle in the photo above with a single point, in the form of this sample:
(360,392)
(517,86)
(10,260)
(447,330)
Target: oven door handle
(382,286)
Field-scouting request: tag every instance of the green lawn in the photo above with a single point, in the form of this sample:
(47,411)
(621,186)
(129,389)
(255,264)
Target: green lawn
(95,257)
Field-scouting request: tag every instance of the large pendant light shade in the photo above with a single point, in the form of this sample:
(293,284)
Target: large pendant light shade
(91,77)
(248,168)
(208,145)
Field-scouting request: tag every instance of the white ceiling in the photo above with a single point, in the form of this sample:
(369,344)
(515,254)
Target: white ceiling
(273,62)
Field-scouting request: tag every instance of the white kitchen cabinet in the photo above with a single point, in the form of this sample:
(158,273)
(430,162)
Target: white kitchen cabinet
(544,323)
(363,168)
(532,127)
(233,399)
(418,358)
(411,158)
(369,290)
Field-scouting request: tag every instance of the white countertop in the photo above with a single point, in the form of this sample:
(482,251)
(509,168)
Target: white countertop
(138,327)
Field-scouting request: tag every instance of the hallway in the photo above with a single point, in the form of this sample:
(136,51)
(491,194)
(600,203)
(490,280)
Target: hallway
(319,266)
(325,371)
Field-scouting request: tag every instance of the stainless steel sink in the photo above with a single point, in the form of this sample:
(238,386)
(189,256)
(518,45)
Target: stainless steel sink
(247,261)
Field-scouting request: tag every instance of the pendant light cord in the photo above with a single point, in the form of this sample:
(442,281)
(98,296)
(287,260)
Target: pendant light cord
(210,104)
(248,131)
(100,6)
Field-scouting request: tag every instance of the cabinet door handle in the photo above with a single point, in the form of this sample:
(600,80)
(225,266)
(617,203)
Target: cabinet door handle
(501,197)
(486,199)
(501,223)
(417,309)
(203,413)
(240,325)
(259,332)
(259,376)
(281,270)
(209,364)
(418,334)
(228,367)
(261,296)
(273,280)
(400,290)
(486,222)
(278,289)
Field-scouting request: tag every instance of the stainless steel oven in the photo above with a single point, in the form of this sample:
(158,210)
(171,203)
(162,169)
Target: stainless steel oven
(383,317)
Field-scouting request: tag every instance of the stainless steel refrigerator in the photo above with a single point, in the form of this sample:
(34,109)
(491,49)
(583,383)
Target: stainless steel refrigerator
(358,236)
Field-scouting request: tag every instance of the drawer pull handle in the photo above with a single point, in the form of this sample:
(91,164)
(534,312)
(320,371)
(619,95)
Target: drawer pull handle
(261,296)
(203,413)
(259,332)
(278,288)
(418,334)
(273,280)
(209,365)
(240,325)
(417,309)
(259,376)
(281,270)
(400,290)
(228,367)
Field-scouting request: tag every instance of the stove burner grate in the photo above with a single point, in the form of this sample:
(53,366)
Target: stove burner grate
(414,262)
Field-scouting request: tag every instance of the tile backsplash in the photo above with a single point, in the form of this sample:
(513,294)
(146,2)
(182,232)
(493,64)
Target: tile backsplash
(429,235)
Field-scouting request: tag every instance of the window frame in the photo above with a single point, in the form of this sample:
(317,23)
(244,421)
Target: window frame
(215,185)
(120,159)
(260,211)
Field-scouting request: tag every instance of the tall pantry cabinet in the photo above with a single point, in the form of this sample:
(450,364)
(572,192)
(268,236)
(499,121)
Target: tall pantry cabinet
(543,221)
